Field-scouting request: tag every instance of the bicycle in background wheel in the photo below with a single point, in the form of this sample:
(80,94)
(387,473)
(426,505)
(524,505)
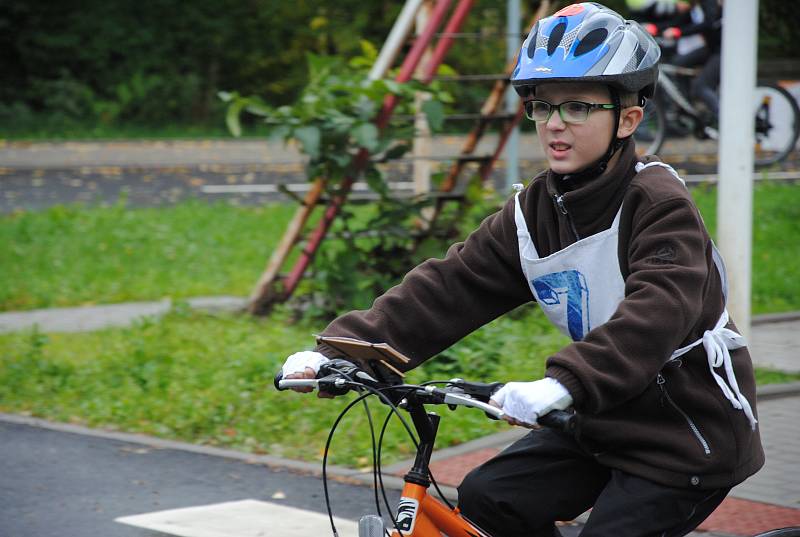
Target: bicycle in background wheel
(777,117)
(418,513)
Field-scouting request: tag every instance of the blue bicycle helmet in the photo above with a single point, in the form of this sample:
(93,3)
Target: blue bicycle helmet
(588,42)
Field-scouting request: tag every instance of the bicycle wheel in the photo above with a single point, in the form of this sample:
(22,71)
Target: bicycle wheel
(651,131)
(777,124)
(794,531)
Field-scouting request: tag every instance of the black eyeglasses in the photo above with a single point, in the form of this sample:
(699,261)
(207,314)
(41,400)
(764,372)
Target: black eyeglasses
(568,111)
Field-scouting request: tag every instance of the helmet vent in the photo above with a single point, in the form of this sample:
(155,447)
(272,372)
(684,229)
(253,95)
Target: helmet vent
(532,41)
(639,54)
(591,41)
(555,37)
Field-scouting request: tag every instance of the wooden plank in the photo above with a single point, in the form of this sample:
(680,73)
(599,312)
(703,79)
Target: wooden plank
(488,111)
(264,292)
(331,211)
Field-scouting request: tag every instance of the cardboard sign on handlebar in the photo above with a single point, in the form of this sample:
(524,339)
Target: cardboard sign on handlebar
(366,352)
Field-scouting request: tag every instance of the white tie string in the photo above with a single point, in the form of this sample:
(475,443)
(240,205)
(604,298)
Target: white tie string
(717,343)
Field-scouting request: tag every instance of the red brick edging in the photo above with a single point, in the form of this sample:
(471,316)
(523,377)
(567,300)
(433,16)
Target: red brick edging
(734,516)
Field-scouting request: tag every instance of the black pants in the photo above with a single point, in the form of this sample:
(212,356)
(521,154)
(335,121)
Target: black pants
(705,85)
(546,476)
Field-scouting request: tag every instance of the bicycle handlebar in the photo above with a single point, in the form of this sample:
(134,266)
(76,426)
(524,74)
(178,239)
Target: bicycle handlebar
(337,377)
(428,394)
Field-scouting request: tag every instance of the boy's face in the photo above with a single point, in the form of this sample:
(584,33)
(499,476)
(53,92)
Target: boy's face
(571,147)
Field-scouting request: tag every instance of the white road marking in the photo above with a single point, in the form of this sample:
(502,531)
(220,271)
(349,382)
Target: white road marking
(245,518)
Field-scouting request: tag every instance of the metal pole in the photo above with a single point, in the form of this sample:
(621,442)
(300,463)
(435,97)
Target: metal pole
(736,127)
(513,42)
(396,39)
(421,144)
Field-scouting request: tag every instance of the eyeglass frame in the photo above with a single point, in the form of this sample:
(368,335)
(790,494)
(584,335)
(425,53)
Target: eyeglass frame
(553,107)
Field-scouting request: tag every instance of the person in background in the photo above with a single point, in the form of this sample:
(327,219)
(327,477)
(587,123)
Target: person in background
(706,24)
(656,15)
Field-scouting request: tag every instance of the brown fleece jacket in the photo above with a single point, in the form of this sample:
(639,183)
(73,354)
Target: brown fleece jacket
(668,423)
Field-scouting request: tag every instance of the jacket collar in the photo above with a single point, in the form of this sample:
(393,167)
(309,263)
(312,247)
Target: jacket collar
(591,200)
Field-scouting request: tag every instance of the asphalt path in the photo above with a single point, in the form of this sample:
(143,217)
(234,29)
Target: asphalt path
(35,176)
(60,484)
(57,484)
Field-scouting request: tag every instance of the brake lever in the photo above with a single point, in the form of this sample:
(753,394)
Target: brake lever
(482,391)
(333,384)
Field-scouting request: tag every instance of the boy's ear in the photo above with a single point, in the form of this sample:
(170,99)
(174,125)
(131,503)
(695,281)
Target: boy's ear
(629,119)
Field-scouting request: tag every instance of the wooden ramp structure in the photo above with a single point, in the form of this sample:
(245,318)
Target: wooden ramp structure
(274,286)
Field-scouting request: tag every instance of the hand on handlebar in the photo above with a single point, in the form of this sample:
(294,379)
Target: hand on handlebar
(304,365)
(524,402)
(514,421)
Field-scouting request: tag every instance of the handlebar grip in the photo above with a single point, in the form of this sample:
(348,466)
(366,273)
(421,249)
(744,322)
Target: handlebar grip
(287,384)
(282,384)
(560,420)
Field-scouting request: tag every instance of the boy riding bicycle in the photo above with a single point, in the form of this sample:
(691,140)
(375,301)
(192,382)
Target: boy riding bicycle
(616,254)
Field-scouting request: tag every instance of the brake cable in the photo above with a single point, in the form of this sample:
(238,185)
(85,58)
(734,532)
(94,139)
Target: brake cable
(376,457)
(430,474)
(370,391)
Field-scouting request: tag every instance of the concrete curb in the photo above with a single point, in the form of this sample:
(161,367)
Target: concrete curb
(777,391)
(339,473)
(90,318)
(768,318)
(160,443)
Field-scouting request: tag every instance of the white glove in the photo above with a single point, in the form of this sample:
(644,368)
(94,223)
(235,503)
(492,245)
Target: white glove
(526,401)
(299,361)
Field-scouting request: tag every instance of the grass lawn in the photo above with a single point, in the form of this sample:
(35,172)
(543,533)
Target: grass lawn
(76,255)
(71,255)
(207,378)
(40,129)
(776,243)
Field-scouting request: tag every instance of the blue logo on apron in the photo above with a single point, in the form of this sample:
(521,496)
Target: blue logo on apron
(551,290)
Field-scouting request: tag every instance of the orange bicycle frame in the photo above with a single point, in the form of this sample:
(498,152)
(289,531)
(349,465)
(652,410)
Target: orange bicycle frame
(422,515)
(419,514)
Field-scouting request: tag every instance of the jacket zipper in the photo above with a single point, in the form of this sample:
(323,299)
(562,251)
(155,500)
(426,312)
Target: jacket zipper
(697,434)
(559,199)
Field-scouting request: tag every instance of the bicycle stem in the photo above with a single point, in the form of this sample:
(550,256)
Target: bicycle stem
(427,425)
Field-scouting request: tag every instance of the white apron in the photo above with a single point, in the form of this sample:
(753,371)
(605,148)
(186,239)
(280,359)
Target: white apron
(581,286)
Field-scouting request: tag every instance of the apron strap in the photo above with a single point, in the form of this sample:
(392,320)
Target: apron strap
(717,343)
(641,166)
(524,240)
(615,223)
(723,273)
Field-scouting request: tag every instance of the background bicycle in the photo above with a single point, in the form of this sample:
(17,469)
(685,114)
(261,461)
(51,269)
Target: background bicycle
(672,112)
